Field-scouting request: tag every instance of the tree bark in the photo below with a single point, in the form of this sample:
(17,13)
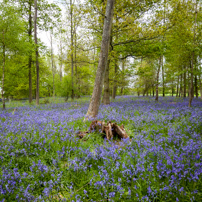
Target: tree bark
(180,92)
(172,89)
(52,64)
(123,77)
(196,86)
(3,72)
(163,83)
(157,80)
(191,83)
(72,47)
(30,53)
(106,96)
(96,96)
(185,82)
(37,53)
(77,93)
(192,63)
(177,93)
(61,60)
(115,80)
(200,84)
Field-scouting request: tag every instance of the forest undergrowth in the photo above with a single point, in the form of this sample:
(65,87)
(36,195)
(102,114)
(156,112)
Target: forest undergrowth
(42,160)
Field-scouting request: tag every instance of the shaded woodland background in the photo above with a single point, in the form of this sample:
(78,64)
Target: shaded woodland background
(155,48)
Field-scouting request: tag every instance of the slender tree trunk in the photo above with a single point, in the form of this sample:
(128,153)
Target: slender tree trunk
(157,80)
(177,93)
(163,83)
(191,83)
(172,89)
(52,64)
(72,49)
(37,53)
(123,77)
(115,80)
(185,82)
(75,64)
(30,53)
(200,84)
(96,96)
(192,63)
(3,72)
(196,86)
(180,93)
(61,60)
(106,96)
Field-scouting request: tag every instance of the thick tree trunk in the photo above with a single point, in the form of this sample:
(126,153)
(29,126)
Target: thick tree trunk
(157,80)
(3,72)
(30,53)
(37,53)
(72,47)
(106,96)
(96,96)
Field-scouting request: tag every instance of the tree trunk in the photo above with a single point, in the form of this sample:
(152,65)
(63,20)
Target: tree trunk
(180,93)
(115,80)
(177,93)
(200,84)
(106,96)
(185,82)
(163,83)
(192,63)
(77,93)
(157,80)
(192,83)
(96,96)
(153,90)
(30,53)
(196,86)
(72,47)
(123,77)
(61,60)
(3,72)
(37,53)
(52,64)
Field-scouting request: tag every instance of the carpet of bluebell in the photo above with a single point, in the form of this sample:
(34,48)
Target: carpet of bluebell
(42,160)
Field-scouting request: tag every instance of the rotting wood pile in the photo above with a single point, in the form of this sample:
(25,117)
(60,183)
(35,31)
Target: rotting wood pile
(109,129)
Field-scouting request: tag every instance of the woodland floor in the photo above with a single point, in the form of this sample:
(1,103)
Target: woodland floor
(42,160)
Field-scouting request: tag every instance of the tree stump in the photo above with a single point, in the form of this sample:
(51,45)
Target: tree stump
(110,130)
